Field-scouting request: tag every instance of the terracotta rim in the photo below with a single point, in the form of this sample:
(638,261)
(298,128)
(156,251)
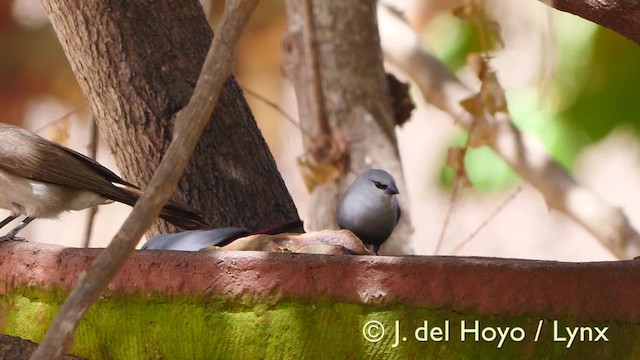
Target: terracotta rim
(598,291)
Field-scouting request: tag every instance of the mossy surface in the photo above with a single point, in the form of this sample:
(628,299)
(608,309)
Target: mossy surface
(156,327)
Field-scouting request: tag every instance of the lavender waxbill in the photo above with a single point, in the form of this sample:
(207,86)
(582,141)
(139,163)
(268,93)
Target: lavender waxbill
(369,207)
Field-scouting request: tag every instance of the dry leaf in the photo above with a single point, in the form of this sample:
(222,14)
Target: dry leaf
(314,174)
(486,104)
(455,160)
(473,12)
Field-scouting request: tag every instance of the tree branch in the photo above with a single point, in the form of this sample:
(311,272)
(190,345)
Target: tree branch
(92,152)
(523,152)
(189,125)
(621,16)
(315,86)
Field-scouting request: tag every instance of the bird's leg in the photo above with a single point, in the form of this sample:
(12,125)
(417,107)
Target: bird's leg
(9,219)
(11,235)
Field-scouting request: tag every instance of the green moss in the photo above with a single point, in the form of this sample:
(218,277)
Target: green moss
(156,327)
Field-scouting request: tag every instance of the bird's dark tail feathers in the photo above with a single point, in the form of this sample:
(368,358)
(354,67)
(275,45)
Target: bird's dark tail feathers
(180,215)
(183,216)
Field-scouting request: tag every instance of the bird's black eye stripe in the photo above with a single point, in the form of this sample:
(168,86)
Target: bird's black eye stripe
(380,185)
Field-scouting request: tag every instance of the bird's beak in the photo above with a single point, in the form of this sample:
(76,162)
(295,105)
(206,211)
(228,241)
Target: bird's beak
(391,189)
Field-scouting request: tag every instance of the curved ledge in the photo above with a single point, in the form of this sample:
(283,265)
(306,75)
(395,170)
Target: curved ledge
(599,291)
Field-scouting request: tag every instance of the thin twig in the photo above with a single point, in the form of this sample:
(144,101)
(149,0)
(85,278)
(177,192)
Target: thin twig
(500,207)
(61,118)
(447,218)
(459,182)
(275,106)
(91,152)
(189,123)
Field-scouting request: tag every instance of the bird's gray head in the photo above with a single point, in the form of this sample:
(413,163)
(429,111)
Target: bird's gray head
(378,179)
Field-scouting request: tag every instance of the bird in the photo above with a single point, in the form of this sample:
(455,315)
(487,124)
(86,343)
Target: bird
(42,179)
(195,240)
(369,207)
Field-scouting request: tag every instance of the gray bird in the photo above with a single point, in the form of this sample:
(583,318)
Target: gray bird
(369,207)
(195,240)
(41,179)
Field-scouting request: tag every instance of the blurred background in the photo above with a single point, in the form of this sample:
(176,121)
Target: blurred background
(568,81)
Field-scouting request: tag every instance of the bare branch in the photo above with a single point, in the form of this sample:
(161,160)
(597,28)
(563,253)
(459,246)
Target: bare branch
(447,218)
(500,207)
(93,149)
(523,152)
(277,108)
(315,89)
(188,126)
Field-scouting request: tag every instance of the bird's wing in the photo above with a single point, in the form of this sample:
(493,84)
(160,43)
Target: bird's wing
(195,240)
(19,156)
(106,173)
(396,206)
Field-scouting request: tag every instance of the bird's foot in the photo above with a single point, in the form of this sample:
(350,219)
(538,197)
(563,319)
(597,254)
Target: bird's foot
(9,237)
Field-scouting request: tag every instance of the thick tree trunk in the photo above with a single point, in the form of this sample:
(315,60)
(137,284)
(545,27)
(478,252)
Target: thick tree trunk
(332,55)
(137,63)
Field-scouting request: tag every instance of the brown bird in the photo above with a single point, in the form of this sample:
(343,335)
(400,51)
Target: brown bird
(41,179)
